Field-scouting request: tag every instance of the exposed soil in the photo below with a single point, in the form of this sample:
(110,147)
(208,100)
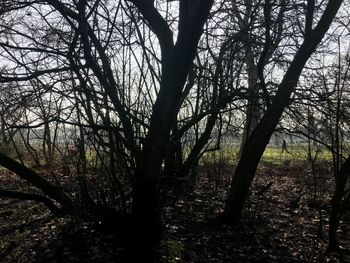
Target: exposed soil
(281,223)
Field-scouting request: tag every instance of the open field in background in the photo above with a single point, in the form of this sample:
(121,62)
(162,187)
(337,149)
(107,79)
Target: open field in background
(297,155)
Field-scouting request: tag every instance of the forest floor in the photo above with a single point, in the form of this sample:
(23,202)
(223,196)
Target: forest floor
(281,223)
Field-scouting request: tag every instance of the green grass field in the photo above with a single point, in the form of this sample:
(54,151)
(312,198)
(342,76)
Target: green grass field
(297,153)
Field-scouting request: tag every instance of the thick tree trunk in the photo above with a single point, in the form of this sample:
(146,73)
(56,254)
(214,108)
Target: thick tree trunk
(176,62)
(146,222)
(246,168)
(337,205)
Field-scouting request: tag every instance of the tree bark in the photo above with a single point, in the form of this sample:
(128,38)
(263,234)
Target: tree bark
(337,205)
(146,220)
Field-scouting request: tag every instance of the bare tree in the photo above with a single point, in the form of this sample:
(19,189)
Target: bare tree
(313,32)
(127,88)
(78,37)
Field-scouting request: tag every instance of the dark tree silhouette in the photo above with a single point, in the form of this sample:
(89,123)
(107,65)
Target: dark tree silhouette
(257,141)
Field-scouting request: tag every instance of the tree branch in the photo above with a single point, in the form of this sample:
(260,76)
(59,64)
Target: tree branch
(34,197)
(26,77)
(35,179)
(157,23)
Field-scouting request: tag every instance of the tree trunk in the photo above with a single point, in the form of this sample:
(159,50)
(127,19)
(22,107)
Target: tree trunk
(337,205)
(4,140)
(260,137)
(146,225)
(245,171)
(176,62)
(253,110)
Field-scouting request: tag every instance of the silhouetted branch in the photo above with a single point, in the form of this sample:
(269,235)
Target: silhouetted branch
(33,197)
